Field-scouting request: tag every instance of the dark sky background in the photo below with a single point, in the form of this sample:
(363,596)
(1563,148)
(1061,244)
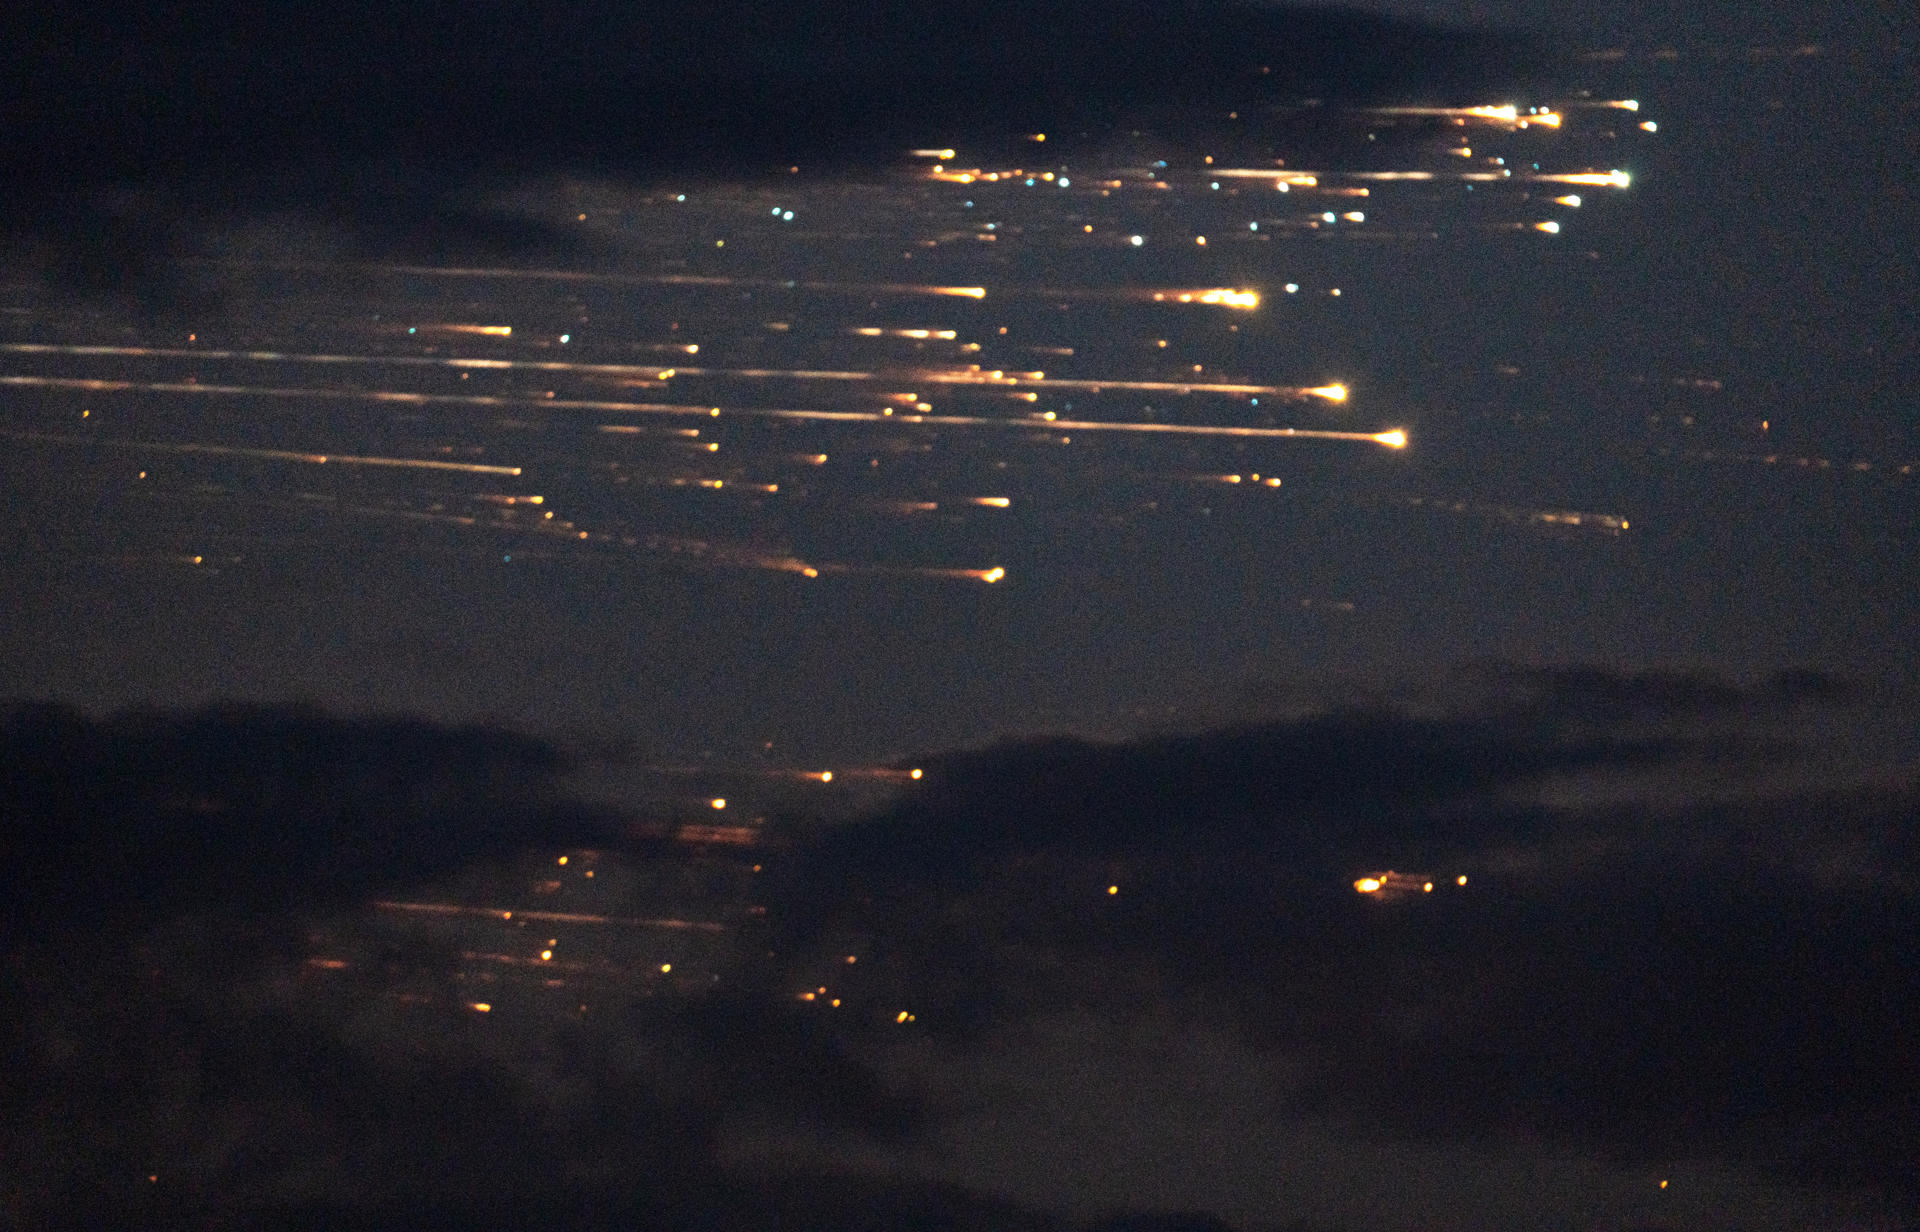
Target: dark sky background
(1624,635)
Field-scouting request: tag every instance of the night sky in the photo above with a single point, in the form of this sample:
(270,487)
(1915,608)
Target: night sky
(1485,449)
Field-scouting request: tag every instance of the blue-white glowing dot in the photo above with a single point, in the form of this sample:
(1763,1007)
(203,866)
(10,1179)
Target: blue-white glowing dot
(786,215)
(1327,217)
(1063,181)
(1292,287)
(565,338)
(1214,185)
(1137,240)
(680,197)
(1253,226)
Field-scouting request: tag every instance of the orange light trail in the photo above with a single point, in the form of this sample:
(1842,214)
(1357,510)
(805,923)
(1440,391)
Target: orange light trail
(670,408)
(272,455)
(556,917)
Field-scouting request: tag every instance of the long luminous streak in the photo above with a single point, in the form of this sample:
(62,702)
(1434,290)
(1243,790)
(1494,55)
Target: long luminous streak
(676,280)
(1005,380)
(295,357)
(557,917)
(672,408)
(274,455)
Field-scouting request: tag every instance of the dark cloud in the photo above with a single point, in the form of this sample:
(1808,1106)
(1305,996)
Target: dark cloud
(242,809)
(1681,977)
(1682,974)
(131,133)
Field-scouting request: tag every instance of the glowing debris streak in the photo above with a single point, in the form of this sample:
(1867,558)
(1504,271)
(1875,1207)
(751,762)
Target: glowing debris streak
(1394,439)
(271,455)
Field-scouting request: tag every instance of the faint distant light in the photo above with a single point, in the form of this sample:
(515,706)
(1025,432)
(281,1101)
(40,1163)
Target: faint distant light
(1663,1184)
(717,803)
(1137,240)
(852,957)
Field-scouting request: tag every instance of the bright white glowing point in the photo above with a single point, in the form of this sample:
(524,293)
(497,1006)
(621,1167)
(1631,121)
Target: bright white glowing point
(565,338)
(1354,216)
(482,1006)
(1292,288)
(1332,393)
(1395,439)
(940,154)
(1231,299)
(912,774)
(902,1016)
(1367,885)
(1628,104)
(1460,880)
(993,575)
(546,955)
(1426,887)
(666,968)
(1571,199)
(1137,240)
(1650,126)
(1327,217)
(719,804)
(1550,227)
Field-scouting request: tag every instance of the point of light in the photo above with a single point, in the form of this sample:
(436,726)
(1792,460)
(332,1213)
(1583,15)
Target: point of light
(1550,227)
(481,1006)
(1332,393)
(912,774)
(1395,439)
(993,575)
(1137,240)
(1367,885)
(1113,889)
(1571,199)
(719,804)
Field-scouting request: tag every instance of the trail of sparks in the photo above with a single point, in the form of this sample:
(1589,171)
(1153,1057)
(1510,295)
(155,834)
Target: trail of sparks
(272,455)
(1393,439)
